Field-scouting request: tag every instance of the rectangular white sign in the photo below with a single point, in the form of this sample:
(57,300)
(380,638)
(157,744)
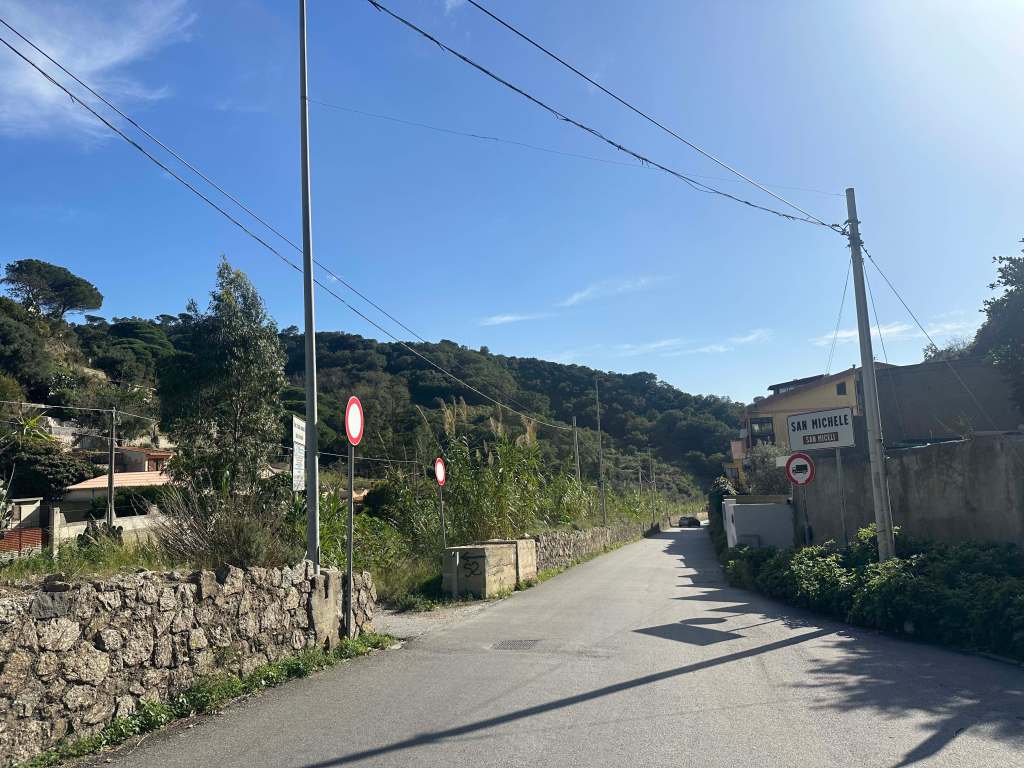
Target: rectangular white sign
(818,430)
(298,454)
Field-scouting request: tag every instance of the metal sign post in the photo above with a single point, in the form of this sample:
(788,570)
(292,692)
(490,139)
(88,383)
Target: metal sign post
(820,430)
(800,471)
(441,475)
(842,495)
(309,314)
(354,431)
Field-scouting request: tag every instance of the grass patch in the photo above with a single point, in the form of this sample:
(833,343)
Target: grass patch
(209,694)
(103,558)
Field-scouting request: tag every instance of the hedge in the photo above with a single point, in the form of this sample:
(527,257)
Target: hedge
(968,595)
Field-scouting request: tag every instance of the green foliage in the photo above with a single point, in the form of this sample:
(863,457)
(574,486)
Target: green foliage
(954,349)
(49,290)
(968,595)
(1001,336)
(102,558)
(721,488)
(220,395)
(23,355)
(686,432)
(100,534)
(40,466)
(763,477)
(211,527)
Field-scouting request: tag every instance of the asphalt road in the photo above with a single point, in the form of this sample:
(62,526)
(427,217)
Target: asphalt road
(642,657)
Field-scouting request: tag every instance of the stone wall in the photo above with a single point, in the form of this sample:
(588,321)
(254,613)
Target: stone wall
(364,601)
(558,549)
(970,489)
(75,656)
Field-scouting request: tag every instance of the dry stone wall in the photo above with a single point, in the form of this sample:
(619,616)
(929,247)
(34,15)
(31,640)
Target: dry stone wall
(558,549)
(75,656)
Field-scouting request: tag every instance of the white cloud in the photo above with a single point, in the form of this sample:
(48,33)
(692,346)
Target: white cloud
(509,318)
(451,5)
(98,41)
(707,349)
(607,288)
(661,345)
(898,331)
(758,334)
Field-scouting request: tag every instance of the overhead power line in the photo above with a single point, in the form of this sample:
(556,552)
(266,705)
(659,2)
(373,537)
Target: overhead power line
(525,145)
(952,368)
(195,170)
(641,113)
(692,182)
(271,248)
(839,319)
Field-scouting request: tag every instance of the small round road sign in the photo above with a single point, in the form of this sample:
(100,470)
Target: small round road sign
(354,420)
(800,469)
(440,471)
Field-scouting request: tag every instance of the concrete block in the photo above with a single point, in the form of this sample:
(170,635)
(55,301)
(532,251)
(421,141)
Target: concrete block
(481,570)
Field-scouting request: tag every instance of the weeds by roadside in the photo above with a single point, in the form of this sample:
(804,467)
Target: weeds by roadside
(209,695)
(102,558)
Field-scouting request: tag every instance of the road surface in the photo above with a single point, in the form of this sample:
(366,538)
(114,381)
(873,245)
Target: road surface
(642,657)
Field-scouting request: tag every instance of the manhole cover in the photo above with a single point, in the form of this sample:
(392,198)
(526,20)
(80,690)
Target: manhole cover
(514,645)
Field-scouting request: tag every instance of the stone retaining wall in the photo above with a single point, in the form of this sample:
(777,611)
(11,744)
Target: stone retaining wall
(73,657)
(558,549)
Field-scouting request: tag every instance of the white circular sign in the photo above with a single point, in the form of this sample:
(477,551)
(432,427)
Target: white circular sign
(440,471)
(800,469)
(354,420)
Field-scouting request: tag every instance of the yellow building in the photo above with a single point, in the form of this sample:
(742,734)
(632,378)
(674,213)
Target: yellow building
(765,420)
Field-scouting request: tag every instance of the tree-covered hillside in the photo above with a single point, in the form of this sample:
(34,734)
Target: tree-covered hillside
(46,359)
(686,433)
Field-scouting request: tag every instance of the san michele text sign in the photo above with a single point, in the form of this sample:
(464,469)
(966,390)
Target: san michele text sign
(818,430)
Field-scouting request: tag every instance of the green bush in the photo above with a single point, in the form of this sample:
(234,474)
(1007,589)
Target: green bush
(968,595)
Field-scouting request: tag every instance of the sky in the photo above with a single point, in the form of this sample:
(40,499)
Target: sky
(567,250)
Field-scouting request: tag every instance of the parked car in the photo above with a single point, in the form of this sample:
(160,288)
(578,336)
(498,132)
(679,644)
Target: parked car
(689,522)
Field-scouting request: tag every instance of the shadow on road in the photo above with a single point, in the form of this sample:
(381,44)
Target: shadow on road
(888,677)
(959,692)
(569,701)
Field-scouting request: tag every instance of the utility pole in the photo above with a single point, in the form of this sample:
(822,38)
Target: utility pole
(312,465)
(876,448)
(111,458)
(654,483)
(600,455)
(576,449)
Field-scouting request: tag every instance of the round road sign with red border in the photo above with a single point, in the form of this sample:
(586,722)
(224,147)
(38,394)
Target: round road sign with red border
(440,471)
(354,420)
(800,469)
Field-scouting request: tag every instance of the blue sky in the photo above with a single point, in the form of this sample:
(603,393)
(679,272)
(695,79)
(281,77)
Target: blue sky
(531,253)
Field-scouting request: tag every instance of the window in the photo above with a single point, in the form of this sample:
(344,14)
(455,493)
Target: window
(762,430)
(841,388)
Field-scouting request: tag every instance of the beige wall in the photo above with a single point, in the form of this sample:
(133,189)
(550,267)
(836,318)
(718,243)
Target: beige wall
(957,491)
